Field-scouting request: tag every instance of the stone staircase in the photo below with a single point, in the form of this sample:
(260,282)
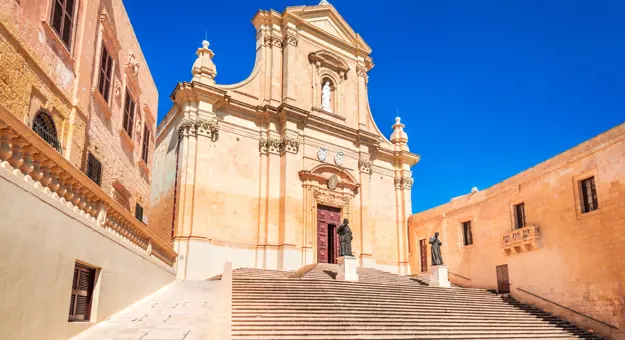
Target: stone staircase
(310,304)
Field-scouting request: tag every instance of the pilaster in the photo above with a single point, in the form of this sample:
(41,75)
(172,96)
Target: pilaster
(366,238)
(289,67)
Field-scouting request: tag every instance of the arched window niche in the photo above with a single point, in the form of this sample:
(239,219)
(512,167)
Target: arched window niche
(328,95)
(44,126)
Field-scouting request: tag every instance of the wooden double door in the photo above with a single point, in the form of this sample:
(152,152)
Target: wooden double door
(328,219)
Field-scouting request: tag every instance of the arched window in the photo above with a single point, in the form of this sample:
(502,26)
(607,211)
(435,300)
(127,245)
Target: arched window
(43,125)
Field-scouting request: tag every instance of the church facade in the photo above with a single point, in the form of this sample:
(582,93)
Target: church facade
(262,172)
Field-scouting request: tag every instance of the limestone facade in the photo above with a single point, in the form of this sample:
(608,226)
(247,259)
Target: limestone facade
(44,69)
(241,170)
(557,251)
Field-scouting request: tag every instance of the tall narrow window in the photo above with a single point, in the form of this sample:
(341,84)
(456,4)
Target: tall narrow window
(589,195)
(139,212)
(82,293)
(94,169)
(63,20)
(129,113)
(43,125)
(519,215)
(106,70)
(146,144)
(467,233)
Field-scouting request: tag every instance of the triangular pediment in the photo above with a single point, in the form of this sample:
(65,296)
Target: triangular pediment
(327,19)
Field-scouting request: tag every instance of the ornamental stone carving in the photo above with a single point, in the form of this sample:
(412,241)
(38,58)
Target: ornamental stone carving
(333,197)
(199,127)
(273,41)
(274,145)
(404,183)
(291,39)
(365,166)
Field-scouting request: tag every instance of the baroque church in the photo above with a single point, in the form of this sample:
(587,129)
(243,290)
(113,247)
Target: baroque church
(261,173)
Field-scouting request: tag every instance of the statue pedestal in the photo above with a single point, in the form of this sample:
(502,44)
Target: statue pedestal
(347,268)
(439,277)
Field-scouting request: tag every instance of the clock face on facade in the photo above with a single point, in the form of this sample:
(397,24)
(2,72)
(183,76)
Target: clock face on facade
(332,182)
(339,158)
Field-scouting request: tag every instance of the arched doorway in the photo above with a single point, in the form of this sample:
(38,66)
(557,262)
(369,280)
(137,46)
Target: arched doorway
(44,126)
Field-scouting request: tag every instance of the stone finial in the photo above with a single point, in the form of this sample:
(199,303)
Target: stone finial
(323,2)
(474,190)
(399,136)
(204,70)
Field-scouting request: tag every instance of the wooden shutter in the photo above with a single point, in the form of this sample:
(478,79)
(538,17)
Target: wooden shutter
(468,235)
(520,215)
(82,292)
(129,113)
(146,144)
(589,195)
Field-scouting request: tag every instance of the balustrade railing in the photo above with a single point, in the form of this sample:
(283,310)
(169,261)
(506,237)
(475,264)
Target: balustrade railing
(27,155)
(524,238)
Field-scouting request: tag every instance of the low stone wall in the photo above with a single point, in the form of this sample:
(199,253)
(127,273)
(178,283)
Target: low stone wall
(41,239)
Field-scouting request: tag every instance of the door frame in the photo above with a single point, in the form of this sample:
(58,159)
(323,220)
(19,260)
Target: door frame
(316,244)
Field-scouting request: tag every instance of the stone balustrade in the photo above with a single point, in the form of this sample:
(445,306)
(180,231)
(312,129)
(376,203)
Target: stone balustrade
(24,153)
(521,239)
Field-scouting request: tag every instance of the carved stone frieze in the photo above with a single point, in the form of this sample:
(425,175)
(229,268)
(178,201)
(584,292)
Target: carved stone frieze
(333,198)
(404,183)
(199,127)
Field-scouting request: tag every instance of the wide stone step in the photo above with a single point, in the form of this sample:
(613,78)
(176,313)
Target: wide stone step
(406,337)
(383,318)
(408,331)
(296,298)
(340,305)
(372,289)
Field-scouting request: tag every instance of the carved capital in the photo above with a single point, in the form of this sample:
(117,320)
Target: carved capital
(291,39)
(365,166)
(404,183)
(289,145)
(270,145)
(273,41)
(192,127)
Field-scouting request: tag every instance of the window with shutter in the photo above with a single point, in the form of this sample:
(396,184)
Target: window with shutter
(519,215)
(106,69)
(82,293)
(94,169)
(139,212)
(146,144)
(467,233)
(129,113)
(63,20)
(589,195)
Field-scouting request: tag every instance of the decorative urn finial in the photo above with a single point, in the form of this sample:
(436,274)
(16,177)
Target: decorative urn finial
(399,136)
(204,70)
(324,2)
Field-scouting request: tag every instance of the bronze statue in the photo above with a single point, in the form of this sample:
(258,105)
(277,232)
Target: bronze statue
(345,239)
(437,258)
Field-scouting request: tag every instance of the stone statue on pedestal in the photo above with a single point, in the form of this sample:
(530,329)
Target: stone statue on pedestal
(437,258)
(326,93)
(345,239)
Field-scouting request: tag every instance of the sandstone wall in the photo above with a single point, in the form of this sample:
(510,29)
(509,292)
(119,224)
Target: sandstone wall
(40,242)
(579,263)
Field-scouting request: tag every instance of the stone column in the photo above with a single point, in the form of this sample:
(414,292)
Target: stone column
(263,149)
(290,197)
(366,252)
(289,65)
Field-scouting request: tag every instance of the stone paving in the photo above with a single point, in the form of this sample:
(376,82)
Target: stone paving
(180,311)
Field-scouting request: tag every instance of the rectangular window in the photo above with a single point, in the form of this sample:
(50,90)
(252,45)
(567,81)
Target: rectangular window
(106,70)
(519,215)
(82,293)
(146,144)
(129,113)
(63,20)
(589,195)
(467,233)
(139,212)
(94,169)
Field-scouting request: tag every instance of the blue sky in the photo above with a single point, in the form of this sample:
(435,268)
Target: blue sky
(486,88)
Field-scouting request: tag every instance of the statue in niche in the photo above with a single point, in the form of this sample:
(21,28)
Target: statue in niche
(326,94)
(345,239)
(437,258)
(133,63)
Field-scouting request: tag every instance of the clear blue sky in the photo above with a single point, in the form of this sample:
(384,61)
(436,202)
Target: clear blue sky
(486,88)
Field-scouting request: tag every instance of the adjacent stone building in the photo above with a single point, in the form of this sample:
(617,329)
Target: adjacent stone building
(77,120)
(262,172)
(552,236)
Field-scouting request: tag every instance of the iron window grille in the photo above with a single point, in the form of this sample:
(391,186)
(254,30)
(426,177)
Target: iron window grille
(44,127)
(589,195)
(94,169)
